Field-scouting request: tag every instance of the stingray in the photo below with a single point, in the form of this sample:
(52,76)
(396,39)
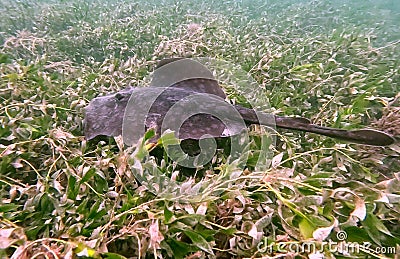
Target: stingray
(187,99)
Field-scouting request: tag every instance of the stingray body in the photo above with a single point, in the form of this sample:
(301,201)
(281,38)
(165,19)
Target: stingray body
(105,115)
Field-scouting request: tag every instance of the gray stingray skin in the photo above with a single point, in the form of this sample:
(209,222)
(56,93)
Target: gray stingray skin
(105,114)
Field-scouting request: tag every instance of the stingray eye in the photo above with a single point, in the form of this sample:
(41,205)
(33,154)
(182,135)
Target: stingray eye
(119,96)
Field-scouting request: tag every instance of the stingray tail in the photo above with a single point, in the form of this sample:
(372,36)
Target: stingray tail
(361,136)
